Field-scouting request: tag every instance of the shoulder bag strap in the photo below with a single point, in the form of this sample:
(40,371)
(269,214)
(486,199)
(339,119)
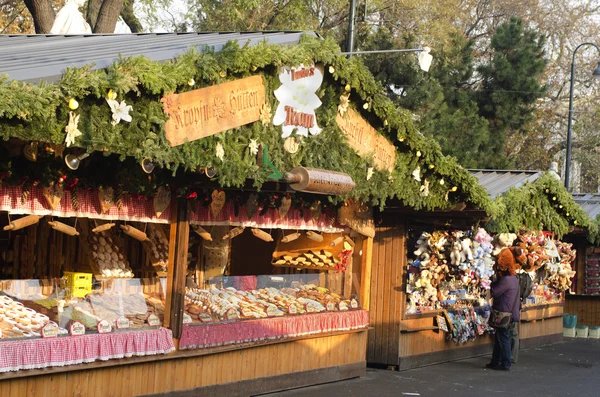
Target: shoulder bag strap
(516,296)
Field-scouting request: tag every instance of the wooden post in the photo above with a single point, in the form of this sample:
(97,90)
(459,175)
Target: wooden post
(365,280)
(177,267)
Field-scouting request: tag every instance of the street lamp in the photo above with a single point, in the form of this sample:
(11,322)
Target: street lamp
(596,74)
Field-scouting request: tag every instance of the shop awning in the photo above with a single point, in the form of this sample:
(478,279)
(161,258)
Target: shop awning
(32,58)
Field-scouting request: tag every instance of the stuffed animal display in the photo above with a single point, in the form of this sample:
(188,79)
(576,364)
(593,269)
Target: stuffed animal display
(459,265)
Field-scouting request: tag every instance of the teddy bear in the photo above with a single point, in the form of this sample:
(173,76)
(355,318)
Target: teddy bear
(423,251)
(455,255)
(466,252)
(508,260)
(503,240)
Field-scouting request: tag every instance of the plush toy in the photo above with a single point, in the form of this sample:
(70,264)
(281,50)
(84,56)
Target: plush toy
(438,241)
(507,260)
(455,255)
(466,252)
(423,251)
(503,240)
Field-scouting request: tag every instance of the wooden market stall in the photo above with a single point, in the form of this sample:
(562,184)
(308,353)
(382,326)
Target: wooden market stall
(190,196)
(583,298)
(420,320)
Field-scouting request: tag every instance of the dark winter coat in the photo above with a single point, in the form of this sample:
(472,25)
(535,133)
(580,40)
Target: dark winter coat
(504,291)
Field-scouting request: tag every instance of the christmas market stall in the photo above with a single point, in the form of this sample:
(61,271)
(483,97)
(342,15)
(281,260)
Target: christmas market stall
(218,200)
(544,207)
(582,300)
(438,302)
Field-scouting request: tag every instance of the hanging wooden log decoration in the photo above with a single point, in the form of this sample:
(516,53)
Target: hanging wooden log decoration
(290,237)
(315,236)
(23,222)
(161,200)
(61,227)
(251,205)
(336,241)
(262,235)
(217,203)
(135,233)
(200,231)
(284,208)
(103,228)
(106,195)
(234,232)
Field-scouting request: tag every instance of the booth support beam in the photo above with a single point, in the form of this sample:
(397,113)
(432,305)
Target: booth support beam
(177,268)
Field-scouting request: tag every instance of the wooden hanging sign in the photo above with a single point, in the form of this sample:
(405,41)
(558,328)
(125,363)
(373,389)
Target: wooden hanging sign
(366,141)
(315,180)
(207,111)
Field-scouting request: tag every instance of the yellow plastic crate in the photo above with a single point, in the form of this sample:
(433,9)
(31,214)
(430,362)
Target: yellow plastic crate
(78,284)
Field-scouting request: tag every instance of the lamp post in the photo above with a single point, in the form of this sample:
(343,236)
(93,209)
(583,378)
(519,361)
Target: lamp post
(596,74)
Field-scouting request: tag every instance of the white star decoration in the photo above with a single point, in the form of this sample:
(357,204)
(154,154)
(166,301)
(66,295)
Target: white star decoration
(72,130)
(253,145)
(219,151)
(417,174)
(120,111)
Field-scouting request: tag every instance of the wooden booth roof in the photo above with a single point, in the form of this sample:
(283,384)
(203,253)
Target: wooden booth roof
(32,58)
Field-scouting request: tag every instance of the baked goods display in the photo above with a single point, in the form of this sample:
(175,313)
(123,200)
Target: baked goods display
(222,304)
(108,258)
(321,259)
(19,321)
(157,248)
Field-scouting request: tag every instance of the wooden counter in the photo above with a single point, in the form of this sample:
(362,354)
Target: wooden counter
(242,372)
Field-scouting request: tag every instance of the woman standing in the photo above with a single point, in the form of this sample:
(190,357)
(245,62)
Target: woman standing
(505,291)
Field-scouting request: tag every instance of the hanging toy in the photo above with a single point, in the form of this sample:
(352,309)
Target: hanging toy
(61,227)
(290,237)
(200,231)
(22,222)
(234,232)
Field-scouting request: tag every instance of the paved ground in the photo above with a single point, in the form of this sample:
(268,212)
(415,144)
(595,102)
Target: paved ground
(568,368)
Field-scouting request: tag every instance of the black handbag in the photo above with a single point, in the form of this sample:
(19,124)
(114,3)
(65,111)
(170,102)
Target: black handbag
(502,320)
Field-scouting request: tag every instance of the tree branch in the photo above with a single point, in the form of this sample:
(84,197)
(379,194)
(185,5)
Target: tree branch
(42,13)
(108,16)
(129,17)
(93,9)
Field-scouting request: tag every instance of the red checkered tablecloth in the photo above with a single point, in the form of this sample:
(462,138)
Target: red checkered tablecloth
(58,352)
(294,219)
(220,334)
(132,209)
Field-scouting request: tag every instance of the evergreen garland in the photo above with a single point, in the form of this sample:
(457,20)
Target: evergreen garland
(31,112)
(541,205)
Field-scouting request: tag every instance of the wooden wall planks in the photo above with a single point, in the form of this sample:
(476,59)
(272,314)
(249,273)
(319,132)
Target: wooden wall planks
(587,309)
(162,376)
(386,308)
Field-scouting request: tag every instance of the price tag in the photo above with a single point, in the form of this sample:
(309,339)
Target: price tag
(104,327)
(49,330)
(330,306)
(153,320)
(246,312)
(292,309)
(272,310)
(76,329)
(187,318)
(354,304)
(122,322)
(343,306)
(205,318)
(232,314)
